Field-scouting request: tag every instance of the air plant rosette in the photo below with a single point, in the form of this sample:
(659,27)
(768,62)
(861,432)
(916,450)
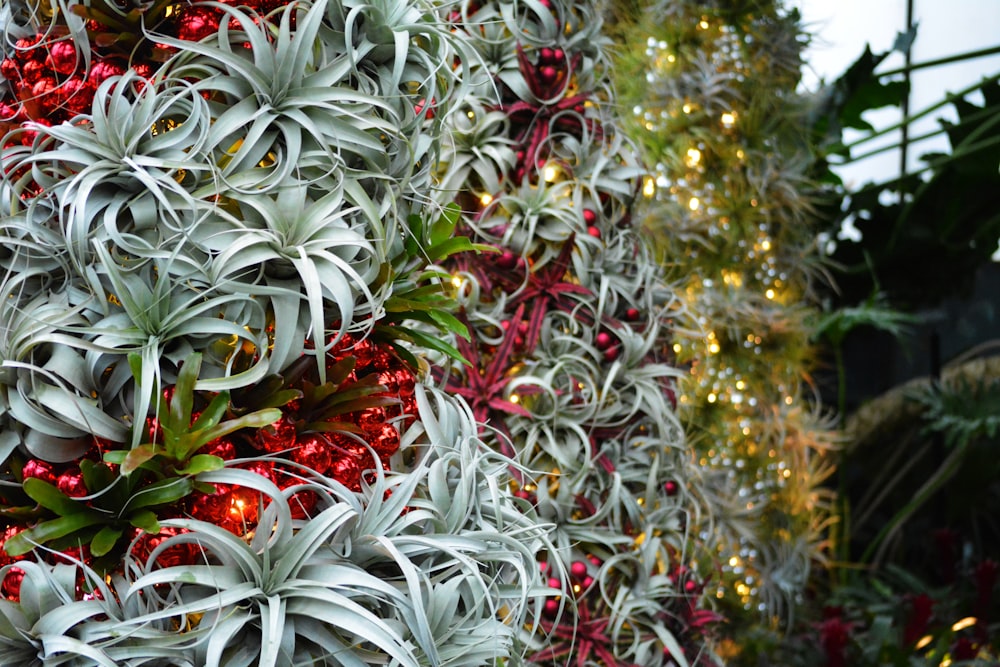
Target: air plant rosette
(569,362)
(217,437)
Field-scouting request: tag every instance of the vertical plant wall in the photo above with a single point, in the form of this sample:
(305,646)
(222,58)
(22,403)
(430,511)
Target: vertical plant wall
(710,94)
(569,360)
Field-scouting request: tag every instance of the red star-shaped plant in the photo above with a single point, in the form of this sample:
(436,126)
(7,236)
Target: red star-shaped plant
(581,637)
(538,118)
(487,376)
(547,288)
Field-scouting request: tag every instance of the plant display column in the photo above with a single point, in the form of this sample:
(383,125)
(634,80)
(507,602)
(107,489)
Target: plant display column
(711,88)
(568,360)
(218,440)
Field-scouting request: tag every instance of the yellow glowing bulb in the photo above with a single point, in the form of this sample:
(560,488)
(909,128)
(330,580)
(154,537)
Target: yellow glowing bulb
(924,641)
(649,187)
(713,348)
(729,119)
(964,623)
(456,281)
(769,294)
(786,473)
(551,173)
(514,398)
(740,154)
(740,384)
(671,58)
(703,24)
(711,398)
(677,348)
(693,157)
(734,561)
(486,199)
(694,203)
(687,108)
(788,400)
(765,245)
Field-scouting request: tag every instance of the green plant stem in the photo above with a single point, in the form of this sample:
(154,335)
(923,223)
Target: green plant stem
(968,55)
(882,490)
(962,152)
(843,532)
(920,114)
(940,476)
(968,120)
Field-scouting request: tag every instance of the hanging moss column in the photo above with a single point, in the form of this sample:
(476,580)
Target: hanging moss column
(710,90)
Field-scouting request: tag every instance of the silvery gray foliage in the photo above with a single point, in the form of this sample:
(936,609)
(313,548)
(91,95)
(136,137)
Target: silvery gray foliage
(430,566)
(589,408)
(242,197)
(251,196)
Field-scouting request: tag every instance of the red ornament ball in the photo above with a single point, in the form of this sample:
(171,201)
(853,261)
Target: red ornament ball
(196,23)
(39,469)
(63,57)
(175,555)
(71,483)
(346,470)
(276,437)
(386,443)
(371,420)
(221,447)
(210,507)
(313,452)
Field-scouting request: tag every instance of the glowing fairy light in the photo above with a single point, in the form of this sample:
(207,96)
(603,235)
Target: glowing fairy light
(964,623)
(728,119)
(551,173)
(649,187)
(693,157)
(486,199)
(694,203)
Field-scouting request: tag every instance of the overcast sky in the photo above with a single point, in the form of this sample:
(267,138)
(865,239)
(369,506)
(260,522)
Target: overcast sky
(841,29)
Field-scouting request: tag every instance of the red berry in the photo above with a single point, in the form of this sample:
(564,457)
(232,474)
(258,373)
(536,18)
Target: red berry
(507,260)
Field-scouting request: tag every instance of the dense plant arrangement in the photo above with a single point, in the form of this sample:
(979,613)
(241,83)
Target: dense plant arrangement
(219,441)
(569,323)
(710,88)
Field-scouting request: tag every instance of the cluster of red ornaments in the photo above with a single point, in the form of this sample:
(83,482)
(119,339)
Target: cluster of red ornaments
(285,452)
(49,81)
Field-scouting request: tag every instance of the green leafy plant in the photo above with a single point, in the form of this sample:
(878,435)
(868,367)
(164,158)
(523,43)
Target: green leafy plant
(419,289)
(149,477)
